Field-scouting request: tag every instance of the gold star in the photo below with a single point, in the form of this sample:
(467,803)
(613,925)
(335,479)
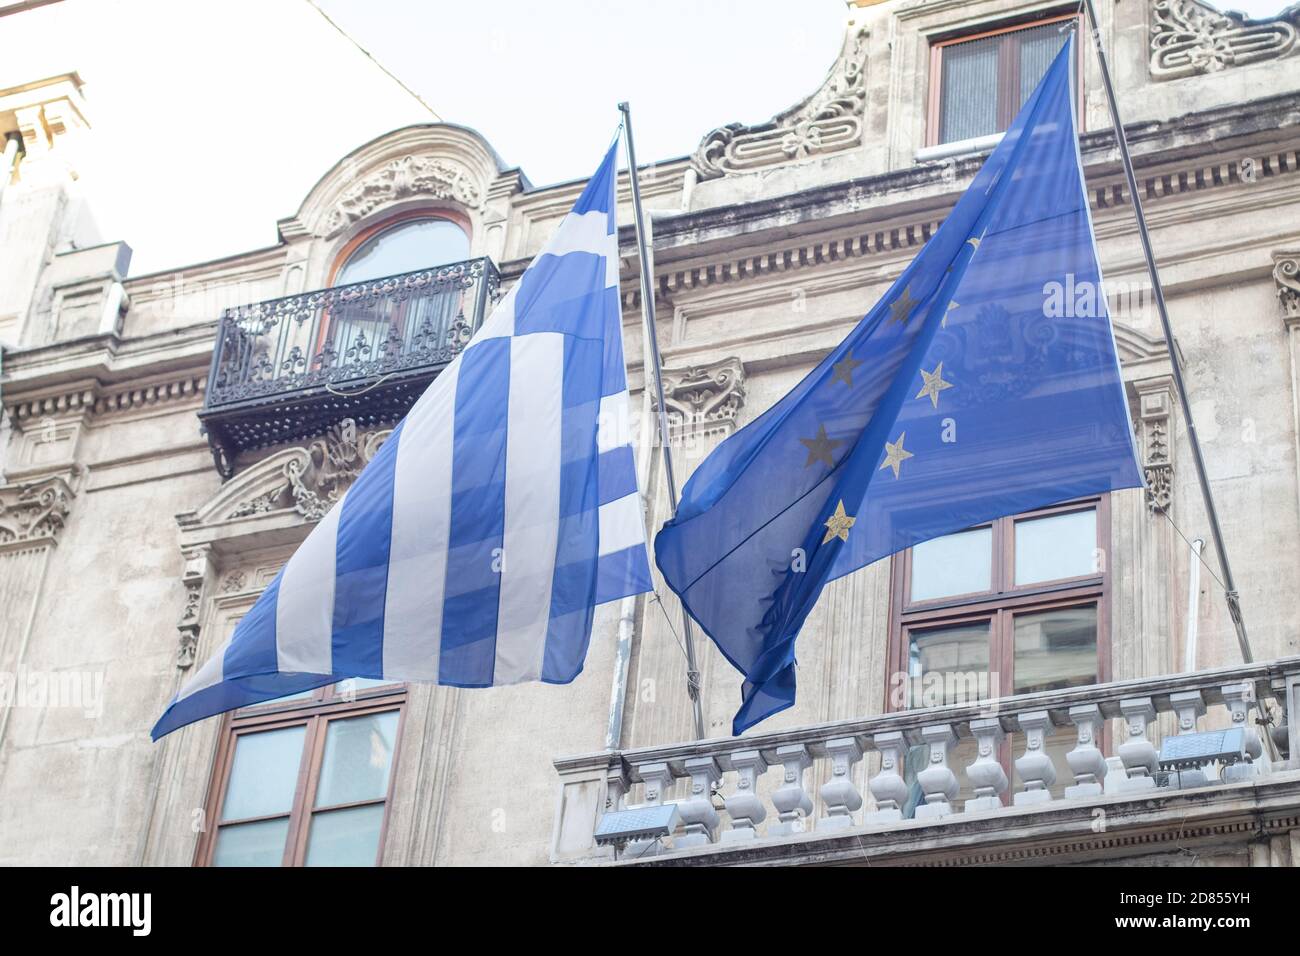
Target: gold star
(975,243)
(944,321)
(838,524)
(934,384)
(895,454)
(901,308)
(820,448)
(844,369)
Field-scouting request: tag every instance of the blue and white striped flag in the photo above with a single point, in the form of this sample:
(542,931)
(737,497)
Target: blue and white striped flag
(474,547)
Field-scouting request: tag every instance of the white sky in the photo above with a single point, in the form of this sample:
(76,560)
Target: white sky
(213,119)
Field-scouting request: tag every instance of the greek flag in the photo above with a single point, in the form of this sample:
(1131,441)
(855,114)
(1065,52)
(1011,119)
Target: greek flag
(474,547)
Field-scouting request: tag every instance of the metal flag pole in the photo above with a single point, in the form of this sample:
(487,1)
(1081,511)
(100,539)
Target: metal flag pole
(1234,605)
(654,362)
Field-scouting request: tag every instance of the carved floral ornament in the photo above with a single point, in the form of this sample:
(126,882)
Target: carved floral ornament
(314,477)
(34,512)
(404,178)
(1188,37)
(828,121)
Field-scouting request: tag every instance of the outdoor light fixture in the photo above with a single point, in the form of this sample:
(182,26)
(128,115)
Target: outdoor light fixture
(621,827)
(1189,751)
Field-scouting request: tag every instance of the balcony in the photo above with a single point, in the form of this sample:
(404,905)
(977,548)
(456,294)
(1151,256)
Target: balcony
(1140,780)
(287,369)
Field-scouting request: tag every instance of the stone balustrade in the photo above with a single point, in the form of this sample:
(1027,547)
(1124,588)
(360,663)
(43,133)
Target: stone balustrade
(727,776)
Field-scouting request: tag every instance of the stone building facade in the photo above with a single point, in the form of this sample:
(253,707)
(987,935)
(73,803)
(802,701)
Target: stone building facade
(131,541)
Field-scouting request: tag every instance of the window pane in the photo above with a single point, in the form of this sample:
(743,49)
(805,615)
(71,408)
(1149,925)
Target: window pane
(969,89)
(1056,649)
(954,564)
(948,665)
(264,773)
(356,685)
(1058,546)
(1038,47)
(407,247)
(358,753)
(345,837)
(251,844)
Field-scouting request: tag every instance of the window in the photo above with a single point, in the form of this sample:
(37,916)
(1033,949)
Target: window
(358,329)
(407,246)
(305,780)
(979,82)
(1012,607)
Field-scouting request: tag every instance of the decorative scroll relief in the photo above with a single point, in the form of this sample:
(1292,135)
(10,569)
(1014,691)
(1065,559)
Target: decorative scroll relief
(703,402)
(828,121)
(1188,38)
(315,477)
(34,512)
(400,179)
(1286,272)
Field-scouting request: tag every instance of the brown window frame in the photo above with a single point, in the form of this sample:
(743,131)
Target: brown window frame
(1005,75)
(324,706)
(1005,599)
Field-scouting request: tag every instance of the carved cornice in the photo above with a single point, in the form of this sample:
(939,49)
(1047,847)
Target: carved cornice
(828,121)
(402,178)
(1286,272)
(704,401)
(34,513)
(1188,37)
(92,398)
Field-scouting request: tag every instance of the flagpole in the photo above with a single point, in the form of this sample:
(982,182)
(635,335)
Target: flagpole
(653,361)
(1234,605)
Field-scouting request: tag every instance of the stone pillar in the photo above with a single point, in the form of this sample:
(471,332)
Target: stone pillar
(1286,273)
(658,779)
(1239,698)
(888,786)
(840,794)
(699,818)
(793,805)
(1086,760)
(938,782)
(1035,767)
(745,807)
(986,773)
(1189,705)
(1138,753)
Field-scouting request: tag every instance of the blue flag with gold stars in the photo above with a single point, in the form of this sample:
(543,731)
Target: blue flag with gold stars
(984,383)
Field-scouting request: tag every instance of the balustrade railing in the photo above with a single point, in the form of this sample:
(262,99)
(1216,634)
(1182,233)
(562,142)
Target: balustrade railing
(284,368)
(728,777)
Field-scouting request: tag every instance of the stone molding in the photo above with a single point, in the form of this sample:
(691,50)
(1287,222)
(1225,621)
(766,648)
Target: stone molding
(1190,38)
(828,121)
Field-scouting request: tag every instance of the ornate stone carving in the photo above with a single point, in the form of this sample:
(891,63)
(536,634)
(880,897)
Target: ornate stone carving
(34,512)
(399,179)
(1155,435)
(1188,37)
(703,401)
(316,476)
(1286,273)
(828,121)
(195,577)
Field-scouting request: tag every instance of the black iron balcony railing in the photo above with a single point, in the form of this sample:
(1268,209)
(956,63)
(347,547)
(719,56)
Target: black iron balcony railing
(288,368)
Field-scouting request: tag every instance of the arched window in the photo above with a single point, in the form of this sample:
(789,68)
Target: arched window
(367,325)
(406,246)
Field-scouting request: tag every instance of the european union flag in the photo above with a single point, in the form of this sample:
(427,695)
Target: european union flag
(983,384)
